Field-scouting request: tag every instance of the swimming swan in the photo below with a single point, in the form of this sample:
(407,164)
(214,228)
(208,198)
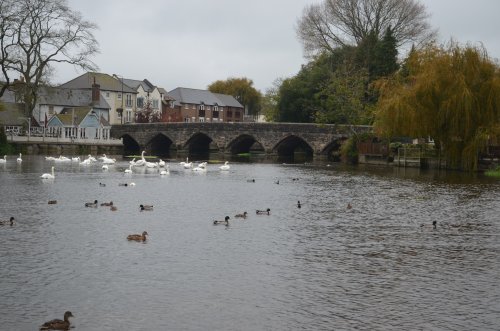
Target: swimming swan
(225,166)
(129,170)
(48,176)
(19,159)
(4,160)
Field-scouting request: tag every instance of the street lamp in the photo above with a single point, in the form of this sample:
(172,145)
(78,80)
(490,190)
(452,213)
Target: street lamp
(120,110)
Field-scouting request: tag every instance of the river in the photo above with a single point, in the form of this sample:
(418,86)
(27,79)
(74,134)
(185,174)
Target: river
(320,267)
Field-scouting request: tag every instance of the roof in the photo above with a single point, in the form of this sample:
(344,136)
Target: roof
(79,114)
(184,95)
(106,82)
(13,114)
(134,84)
(69,98)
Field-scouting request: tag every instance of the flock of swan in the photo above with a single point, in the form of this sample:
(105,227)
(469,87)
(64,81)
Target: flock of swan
(162,167)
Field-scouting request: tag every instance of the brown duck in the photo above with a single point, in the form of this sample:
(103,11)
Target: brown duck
(58,324)
(138,237)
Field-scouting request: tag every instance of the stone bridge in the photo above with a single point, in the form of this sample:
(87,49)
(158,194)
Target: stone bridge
(275,139)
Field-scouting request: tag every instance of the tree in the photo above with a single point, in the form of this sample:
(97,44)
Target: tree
(148,114)
(35,35)
(270,102)
(242,90)
(451,94)
(338,23)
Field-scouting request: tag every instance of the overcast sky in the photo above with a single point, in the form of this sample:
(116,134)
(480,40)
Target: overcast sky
(192,43)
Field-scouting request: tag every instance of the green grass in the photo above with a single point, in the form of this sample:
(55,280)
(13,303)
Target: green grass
(493,172)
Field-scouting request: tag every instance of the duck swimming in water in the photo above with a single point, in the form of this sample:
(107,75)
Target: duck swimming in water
(146,207)
(263,212)
(9,222)
(225,221)
(244,215)
(107,204)
(138,237)
(57,324)
(91,204)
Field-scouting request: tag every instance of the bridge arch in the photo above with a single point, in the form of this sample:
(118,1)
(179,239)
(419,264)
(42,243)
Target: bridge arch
(130,145)
(244,144)
(293,149)
(161,144)
(199,145)
(332,150)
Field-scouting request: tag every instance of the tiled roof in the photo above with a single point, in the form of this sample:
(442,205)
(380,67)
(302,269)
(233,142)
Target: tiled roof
(69,98)
(193,96)
(106,82)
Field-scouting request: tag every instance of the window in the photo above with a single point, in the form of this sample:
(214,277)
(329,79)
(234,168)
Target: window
(119,96)
(237,114)
(128,100)
(107,94)
(202,119)
(51,110)
(202,107)
(216,108)
(201,113)
(215,114)
(155,104)
(128,116)
(229,113)
(186,119)
(140,102)
(171,103)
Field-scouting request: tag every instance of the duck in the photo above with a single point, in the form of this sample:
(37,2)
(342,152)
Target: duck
(20,159)
(277,182)
(428,226)
(138,237)
(4,160)
(113,208)
(48,176)
(225,166)
(91,204)
(225,221)
(161,163)
(299,205)
(129,170)
(102,185)
(10,221)
(52,202)
(244,215)
(57,324)
(262,212)
(107,204)
(349,206)
(250,180)
(146,207)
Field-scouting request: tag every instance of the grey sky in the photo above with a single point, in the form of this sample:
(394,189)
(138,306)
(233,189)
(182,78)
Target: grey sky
(192,43)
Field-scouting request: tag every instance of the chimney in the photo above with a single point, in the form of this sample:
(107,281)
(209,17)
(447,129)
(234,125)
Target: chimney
(96,93)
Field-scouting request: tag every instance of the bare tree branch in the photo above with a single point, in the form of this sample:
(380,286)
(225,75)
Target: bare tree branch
(337,23)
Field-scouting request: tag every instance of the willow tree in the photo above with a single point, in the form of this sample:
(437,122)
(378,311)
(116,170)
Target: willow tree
(451,94)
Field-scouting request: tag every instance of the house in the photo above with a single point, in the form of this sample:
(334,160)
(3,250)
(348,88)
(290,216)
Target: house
(204,106)
(120,97)
(79,123)
(149,95)
(13,115)
(52,101)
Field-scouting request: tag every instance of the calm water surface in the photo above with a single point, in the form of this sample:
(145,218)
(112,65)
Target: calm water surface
(321,267)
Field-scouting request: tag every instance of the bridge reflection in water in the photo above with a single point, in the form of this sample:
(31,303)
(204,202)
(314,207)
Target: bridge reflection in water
(294,142)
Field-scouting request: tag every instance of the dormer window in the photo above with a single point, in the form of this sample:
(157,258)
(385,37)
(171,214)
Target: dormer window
(202,106)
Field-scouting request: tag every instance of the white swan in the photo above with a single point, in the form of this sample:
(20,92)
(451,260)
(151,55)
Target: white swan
(48,176)
(19,159)
(152,164)
(129,170)
(4,160)
(86,162)
(50,158)
(188,165)
(132,162)
(161,163)
(165,171)
(225,166)
(201,167)
(107,160)
(91,158)
(62,159)
(183,163)
(105,167)
(75,159)
(142,161)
